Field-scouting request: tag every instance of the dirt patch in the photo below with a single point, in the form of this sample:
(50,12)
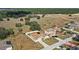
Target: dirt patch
(22,42)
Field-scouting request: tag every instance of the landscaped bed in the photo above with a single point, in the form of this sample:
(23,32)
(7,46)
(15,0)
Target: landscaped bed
(50,41)
(62,37)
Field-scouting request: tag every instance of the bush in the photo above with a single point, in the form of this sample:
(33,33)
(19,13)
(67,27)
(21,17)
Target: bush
(18,25)
(27,23)
(21,19)
(20,29)
(27,19)
(38,17)
(43,15)
(70,15)
(8,19)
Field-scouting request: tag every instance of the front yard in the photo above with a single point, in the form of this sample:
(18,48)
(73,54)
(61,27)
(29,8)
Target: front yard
(50,41)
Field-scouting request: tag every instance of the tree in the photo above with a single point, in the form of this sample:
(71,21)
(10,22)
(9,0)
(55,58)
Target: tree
(17,13)
(27,20)
(34,26)
(4,33)
(1,19)
(10,31)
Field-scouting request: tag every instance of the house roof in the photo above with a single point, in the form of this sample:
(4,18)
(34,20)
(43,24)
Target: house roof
(70,44)
(3,45)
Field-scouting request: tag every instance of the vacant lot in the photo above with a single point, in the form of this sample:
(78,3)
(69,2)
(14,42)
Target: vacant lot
(52,19)
(22,42)
(56,19)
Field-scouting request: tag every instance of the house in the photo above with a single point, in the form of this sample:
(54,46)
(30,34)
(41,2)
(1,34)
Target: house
(72,25)
(70,44)
(5,44)
(50,32)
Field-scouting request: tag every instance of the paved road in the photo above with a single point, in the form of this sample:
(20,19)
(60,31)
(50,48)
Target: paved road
(57,44)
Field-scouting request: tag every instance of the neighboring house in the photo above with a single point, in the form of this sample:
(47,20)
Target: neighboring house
(72,26)
(5,44)
(70,44)
(50,32)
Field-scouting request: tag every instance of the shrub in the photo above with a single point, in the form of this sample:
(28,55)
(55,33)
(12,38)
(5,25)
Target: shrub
(20,29)
(8,19)
(18,25)
(70,15)
(38,17)
(27,21)
(21,19)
